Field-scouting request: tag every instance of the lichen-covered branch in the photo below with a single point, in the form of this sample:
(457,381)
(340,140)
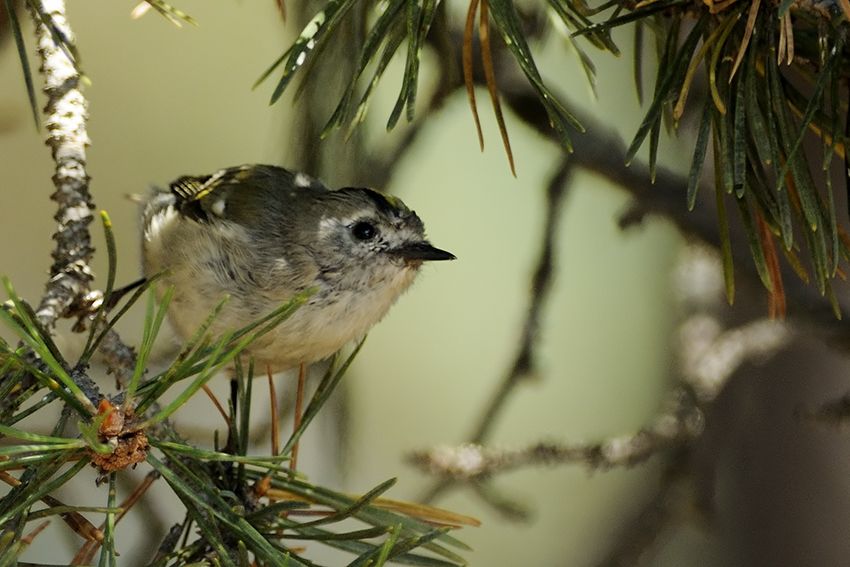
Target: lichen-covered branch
(65,119)
(681,422)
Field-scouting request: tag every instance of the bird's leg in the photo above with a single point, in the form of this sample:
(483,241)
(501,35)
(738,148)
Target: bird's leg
(273,409)
(299,407)
(261,487)
(232,443)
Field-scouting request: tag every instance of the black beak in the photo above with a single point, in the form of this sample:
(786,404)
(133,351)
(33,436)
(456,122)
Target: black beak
(421,251)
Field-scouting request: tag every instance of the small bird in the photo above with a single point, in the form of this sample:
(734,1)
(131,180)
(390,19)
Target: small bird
(260,234)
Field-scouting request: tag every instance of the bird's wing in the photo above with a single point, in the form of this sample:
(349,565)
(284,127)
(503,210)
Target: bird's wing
(191,192)
(240,194)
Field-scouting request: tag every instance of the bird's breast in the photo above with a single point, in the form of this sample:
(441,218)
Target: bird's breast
(332,317)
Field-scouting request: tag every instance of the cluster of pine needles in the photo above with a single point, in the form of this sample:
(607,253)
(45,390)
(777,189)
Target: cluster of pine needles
(773,75)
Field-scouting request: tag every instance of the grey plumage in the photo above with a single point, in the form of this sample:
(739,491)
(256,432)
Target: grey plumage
(261,234)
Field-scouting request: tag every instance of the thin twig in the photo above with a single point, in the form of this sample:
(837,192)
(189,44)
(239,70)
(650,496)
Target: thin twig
(541,283)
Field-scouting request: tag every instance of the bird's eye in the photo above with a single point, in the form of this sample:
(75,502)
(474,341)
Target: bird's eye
(364,231)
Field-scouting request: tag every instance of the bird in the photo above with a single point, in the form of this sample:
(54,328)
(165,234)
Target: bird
(262,234)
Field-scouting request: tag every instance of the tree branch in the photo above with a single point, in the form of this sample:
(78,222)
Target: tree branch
(65,118)
(679,423)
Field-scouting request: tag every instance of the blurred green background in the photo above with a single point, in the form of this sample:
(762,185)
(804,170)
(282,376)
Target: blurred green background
(166,102)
